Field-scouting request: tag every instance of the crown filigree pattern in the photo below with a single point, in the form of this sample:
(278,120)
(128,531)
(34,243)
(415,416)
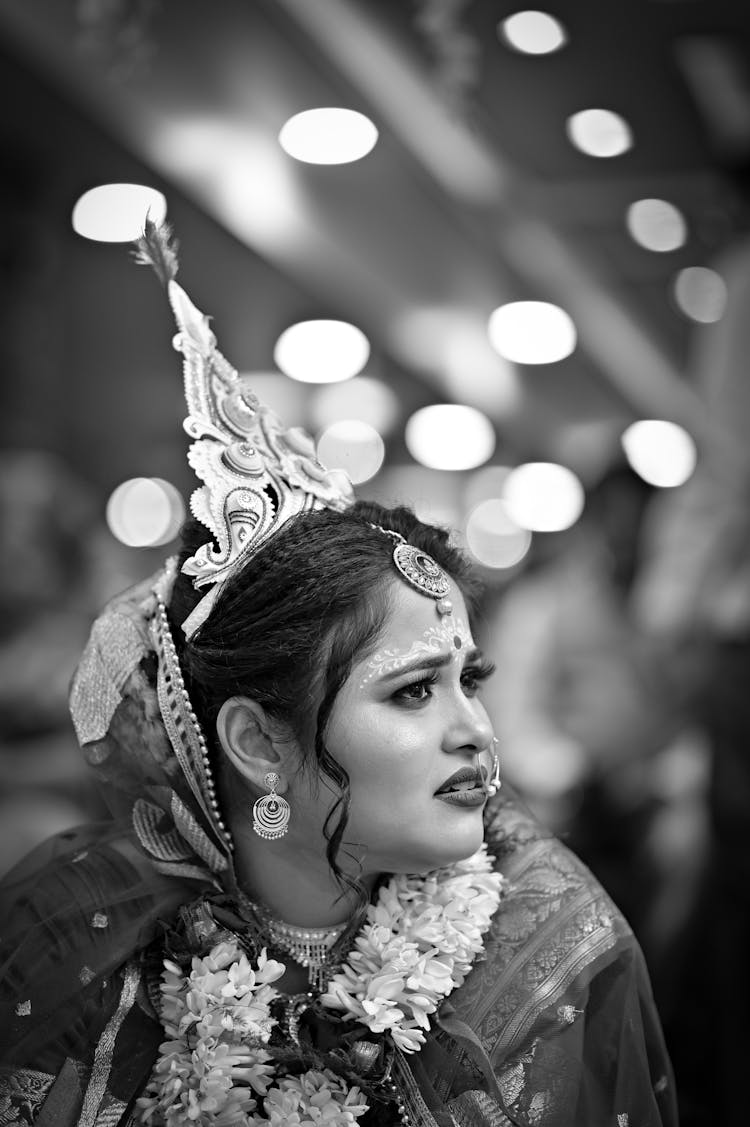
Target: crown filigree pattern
(256,473)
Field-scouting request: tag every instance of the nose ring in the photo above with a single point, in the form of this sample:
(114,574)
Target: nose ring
(495,782)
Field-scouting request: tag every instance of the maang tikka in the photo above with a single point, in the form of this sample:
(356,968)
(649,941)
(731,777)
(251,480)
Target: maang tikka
(419,570)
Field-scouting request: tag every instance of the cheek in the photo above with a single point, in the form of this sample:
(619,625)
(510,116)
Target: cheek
(379,748)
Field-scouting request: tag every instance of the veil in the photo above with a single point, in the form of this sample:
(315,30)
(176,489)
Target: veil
(85,902)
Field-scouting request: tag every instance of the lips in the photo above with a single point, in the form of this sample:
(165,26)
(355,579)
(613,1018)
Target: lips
(466,779)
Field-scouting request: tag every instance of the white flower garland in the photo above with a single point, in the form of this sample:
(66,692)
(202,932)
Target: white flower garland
(417,945)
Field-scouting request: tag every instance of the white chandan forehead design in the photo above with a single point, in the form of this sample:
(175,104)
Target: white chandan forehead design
(450,633)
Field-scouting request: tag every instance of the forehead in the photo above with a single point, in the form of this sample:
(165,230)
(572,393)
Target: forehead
(411,615)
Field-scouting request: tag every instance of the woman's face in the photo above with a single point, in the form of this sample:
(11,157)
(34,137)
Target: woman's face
(408,719)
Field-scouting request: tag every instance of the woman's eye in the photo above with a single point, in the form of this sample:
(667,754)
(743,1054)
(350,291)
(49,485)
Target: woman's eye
(469,683)
(473,676)
(416,690)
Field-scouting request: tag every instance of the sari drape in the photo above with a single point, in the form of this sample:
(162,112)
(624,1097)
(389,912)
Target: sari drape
(554,1027)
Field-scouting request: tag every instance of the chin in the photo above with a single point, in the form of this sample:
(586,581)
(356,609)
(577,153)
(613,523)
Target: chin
(457,851)
(446,849)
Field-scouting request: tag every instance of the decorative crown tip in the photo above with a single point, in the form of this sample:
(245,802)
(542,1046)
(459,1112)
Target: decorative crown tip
(190,320)
(157,248)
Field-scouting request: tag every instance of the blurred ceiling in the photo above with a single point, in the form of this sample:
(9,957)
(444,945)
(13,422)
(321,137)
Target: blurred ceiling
(473,195)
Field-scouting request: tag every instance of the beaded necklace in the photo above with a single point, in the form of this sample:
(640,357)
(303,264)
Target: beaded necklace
(316,949)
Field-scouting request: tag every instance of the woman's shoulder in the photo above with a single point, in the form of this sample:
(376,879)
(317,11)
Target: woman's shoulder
(556,928)
(74,913)
(561,1002)
(84,888)
(544,878)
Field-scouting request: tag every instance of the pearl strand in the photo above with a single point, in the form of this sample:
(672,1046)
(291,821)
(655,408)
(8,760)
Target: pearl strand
(190,720)
(395,1093)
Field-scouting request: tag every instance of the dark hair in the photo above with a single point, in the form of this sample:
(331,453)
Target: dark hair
(288,628)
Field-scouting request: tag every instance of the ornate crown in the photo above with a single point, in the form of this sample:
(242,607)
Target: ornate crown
(257,474)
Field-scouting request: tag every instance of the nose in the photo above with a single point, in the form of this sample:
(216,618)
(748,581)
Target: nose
(468,727)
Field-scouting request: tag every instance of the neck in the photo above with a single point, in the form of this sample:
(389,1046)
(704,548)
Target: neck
(293,883)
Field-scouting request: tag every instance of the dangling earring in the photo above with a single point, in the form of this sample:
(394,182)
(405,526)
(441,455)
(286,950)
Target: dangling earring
(495,782)
(271,812)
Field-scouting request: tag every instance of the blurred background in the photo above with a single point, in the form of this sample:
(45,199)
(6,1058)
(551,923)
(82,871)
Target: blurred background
(497,261)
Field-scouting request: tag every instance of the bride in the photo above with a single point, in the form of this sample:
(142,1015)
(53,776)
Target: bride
(314,903)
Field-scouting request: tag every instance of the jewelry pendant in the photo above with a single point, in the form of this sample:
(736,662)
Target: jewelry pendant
(421,571)
(271,813)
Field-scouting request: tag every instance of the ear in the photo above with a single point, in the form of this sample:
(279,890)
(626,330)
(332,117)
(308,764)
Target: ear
(253,744)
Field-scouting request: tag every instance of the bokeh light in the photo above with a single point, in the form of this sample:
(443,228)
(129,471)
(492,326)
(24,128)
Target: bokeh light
(434,496)
(322,351)
(656,225)
(353,446)
(532,332)
(145,512)
(532,32)
(701,294)
(493,536)
(328,135)
(117,213)
(661,452)
(255,190)
(451,343)
(599,133)
(450,436)
(362,397)
(484,485)
(543,496)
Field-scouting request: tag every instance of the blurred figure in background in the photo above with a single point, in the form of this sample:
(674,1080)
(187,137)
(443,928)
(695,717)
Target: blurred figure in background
(593,726)
(49,550)
(693,599)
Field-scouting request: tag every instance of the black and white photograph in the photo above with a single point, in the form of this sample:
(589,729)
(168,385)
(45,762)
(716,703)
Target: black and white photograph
(375,539)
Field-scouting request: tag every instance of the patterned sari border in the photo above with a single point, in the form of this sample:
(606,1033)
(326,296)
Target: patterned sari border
(106,1047)
(560,946)
(590,947)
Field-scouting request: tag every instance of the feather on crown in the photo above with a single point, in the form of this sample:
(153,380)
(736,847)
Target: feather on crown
(256,473)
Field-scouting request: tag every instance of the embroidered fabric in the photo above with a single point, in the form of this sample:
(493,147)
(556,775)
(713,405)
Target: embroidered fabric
(556,1026)
(134,736)
(46,1100)
(22,1094)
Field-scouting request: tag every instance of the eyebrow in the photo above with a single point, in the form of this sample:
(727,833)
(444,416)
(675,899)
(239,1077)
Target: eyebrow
(433,661)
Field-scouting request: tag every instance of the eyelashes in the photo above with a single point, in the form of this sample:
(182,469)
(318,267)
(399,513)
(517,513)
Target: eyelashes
(472,676)
(418,690)
(480,670)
